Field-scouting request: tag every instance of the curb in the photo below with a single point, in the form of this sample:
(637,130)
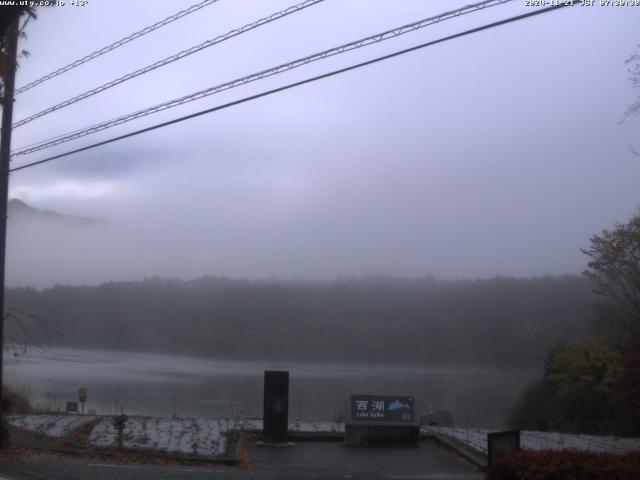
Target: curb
(317,436)
(306,436)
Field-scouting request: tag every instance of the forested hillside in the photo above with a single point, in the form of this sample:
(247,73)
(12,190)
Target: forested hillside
(378,319)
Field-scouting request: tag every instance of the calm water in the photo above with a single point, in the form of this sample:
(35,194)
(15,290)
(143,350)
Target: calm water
(155,384)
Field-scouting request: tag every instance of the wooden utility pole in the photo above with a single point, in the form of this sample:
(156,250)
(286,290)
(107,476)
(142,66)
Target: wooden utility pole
(11,39)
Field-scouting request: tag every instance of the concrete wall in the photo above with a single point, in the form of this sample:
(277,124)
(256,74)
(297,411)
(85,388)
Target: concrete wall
(358,434)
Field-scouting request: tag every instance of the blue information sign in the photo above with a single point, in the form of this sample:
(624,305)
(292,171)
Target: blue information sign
(382,408)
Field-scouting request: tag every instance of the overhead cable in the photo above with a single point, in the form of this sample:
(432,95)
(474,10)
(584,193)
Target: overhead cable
(114,45)
(292,85)
(175,57)
(372,39)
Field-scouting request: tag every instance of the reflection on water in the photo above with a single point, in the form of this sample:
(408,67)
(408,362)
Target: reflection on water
(156,384)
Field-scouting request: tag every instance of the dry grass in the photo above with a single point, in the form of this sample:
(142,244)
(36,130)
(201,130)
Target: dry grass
(119,456)
(15,403)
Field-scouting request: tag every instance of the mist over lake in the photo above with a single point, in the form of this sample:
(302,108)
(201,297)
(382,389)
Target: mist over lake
(468,346)
(148,384)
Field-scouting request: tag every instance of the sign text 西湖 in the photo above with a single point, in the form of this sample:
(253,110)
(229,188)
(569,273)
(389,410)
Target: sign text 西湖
(382,408)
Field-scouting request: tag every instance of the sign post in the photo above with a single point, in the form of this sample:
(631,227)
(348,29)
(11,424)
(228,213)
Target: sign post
(119,423)
(82,396)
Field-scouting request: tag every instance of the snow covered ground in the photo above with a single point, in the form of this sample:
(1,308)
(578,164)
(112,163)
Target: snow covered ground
(203,437)
(477,439)
(198,437)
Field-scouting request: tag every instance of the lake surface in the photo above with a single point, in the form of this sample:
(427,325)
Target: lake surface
(156,384)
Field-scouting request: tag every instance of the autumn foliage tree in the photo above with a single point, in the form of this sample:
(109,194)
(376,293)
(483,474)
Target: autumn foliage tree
(614,269)
(580,391)
(585,380)
(593,386)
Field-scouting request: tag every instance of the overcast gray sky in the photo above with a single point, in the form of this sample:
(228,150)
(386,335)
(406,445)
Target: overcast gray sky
(499,153)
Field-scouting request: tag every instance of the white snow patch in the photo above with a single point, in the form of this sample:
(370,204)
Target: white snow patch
(316,427)
(194,436)
(296,426)
(50,425)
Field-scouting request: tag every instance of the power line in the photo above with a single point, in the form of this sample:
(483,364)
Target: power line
(119,43)
(372,39)
(165,61)
(295,84)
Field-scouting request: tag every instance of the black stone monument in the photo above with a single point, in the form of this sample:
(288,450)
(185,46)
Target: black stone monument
(276,407)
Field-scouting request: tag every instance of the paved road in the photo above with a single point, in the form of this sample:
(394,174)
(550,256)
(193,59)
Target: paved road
(307,460)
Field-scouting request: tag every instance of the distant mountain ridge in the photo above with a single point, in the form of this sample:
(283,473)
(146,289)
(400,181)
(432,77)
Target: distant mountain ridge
(18,209)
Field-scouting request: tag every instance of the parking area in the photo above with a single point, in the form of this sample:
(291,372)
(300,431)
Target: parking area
(334,460)
(318,460)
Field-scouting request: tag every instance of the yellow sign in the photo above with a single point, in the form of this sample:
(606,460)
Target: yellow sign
(83,394)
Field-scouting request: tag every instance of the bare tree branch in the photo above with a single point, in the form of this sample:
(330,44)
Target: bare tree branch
(26,329)
(634,70)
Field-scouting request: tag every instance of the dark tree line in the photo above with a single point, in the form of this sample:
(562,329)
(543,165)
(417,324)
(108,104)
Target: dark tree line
(378,320)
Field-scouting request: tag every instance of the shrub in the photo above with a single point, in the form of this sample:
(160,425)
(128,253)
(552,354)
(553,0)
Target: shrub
(12,403)
(15,403)
(581,392)
(566,464)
